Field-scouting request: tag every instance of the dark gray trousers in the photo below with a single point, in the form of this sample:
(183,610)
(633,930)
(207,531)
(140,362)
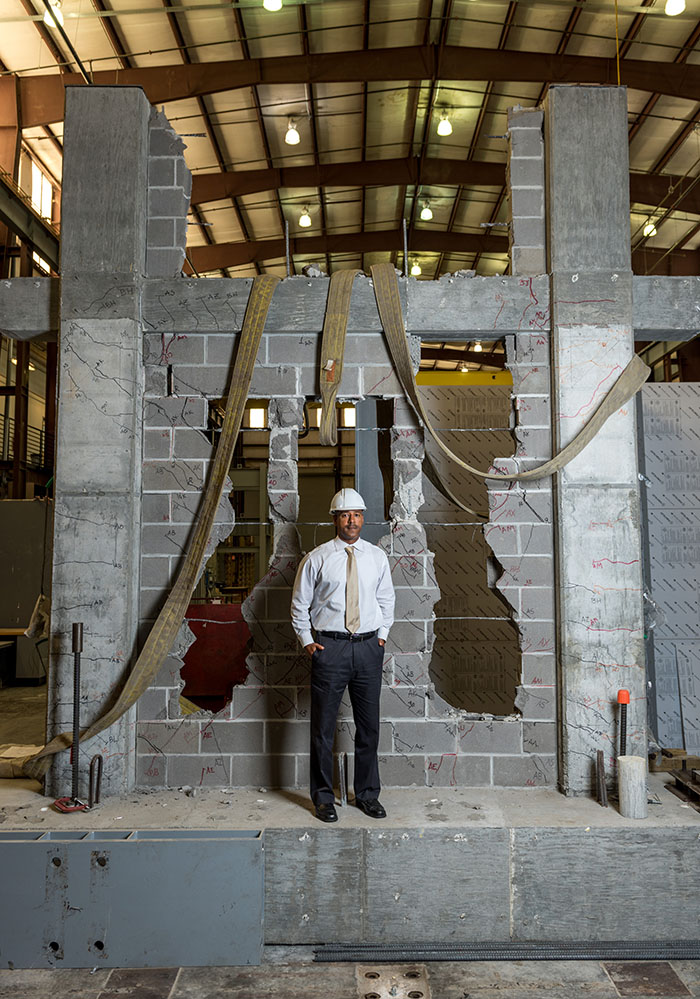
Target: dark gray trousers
(357,666)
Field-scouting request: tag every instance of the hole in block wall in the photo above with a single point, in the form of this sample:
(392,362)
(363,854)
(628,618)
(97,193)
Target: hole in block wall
(475,663)
(216,661)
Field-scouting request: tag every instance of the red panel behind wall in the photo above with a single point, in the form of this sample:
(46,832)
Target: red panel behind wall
(216,661)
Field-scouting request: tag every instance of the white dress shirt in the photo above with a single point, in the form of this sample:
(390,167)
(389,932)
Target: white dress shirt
(318,598)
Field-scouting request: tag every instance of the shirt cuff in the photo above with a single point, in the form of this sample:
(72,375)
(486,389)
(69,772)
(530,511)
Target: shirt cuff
(306,638)
(383,633)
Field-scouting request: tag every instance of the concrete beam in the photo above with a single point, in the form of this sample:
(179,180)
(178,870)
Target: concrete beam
(664,308)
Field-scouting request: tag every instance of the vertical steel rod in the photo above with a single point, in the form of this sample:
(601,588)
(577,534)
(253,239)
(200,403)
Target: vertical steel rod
(286,247)
(405,249)
(77,649)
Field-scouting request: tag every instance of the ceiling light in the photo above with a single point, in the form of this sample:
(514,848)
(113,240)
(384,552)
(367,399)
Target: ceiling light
(477,347)
(55,16)
(674,7)
(426,212)
(31,367)
(14,360)
(464,367)
(272,4)
(649,229)
(416,270)
(292,138)
(444,125)
(305,219)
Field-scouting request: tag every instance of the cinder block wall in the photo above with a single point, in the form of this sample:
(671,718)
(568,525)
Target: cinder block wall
(261,737)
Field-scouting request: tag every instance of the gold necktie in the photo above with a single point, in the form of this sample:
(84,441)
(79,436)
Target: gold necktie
(352,594)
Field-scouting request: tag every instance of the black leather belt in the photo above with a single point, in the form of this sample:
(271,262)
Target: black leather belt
(345,636)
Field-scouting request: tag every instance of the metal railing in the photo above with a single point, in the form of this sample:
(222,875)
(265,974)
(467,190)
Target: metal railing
(39,444)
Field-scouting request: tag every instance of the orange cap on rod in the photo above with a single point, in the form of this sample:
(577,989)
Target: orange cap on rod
(623,696)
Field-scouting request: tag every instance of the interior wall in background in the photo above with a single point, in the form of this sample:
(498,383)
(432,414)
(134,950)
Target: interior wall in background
(670,456)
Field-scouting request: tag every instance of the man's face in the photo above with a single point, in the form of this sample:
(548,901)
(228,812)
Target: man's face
(348,524)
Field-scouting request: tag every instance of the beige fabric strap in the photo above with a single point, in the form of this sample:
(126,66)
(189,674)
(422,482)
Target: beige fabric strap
(164,631)
(352,594)
(335,325)
(386,290)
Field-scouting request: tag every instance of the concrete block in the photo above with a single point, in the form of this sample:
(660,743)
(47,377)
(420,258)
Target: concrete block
(527,570)
(415,603)
(269,382)
(530,378)
(199,771)
(156,444)
(407,636)
(529,261)
(263,771)
(285,412)
(283,445)
(172,412)
(489,736)
(539,737)
(453,770)
(532,348)
(155,571)
(537,603)
(534,444)
(232,737)
(380,380)
(163,140)
(404,414)
(173,349)
(350,384)
(151,770)
(527,202)
(161,171)
(184,506)
(281,475)
(539,669)
(408,538)
(366,349)
(221,347)
(261,703)
(168,737)
(525,142)
(410,670)
(183,176)
(152,705)
(171,476)
(407,570)
(407,443)
(438,707)
(302,770)
(528,232)
(536,636)
(502,539)
(191,444)
(164,539)
(163,262)
(412,737)
(285,348)
(533,410)
(402,702)
(160,233)
(169,673)
(285,669)
(167,202)
(526,172)
(155,381)
(533,507)
(402,770)
(525,771)
(537,702)
(284,505)
(536,539)
(286,737)
(525,118)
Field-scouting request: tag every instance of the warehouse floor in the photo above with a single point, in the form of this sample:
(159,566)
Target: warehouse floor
(289,974)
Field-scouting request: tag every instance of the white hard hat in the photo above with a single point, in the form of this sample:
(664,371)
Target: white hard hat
(347,499)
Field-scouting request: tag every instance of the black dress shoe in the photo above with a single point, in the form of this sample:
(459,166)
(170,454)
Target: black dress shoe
(326,812)
(371,807)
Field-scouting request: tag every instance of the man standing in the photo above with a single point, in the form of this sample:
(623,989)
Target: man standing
(343,593)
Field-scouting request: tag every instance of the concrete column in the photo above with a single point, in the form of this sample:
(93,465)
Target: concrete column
(598,545)
(98,466)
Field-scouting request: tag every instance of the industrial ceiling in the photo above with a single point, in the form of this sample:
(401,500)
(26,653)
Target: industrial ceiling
(366,83)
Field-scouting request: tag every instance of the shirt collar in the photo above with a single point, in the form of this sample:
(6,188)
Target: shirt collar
(342,545)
